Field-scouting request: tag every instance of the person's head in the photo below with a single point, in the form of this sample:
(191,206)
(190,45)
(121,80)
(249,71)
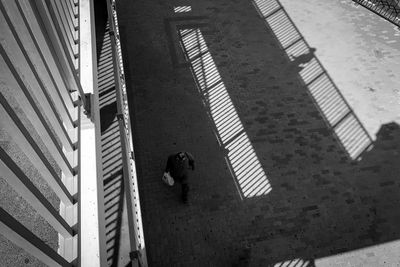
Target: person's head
(181,156)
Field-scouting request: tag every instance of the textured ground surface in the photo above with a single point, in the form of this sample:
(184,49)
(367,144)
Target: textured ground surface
(326,208)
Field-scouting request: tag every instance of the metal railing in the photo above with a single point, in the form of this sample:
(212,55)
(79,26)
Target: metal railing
(387,9)
(43,111)
(137,245)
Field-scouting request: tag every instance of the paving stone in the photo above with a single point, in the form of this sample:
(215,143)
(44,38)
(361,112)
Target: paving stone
(322,203)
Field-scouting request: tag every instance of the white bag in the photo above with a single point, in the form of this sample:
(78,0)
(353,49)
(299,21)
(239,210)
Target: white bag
(167,178)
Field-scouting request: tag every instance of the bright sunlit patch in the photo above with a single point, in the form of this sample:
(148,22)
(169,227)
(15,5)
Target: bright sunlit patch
(182,9)
(267,8)
(242,159)
(384,254)
(334,108)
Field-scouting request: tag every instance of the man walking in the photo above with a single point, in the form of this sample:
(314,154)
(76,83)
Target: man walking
(178,166)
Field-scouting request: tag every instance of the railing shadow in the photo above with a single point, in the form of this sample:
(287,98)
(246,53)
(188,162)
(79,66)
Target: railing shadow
(249,175)
(336,111)
(309,174)
(321,202)
(244,164)
(110,139)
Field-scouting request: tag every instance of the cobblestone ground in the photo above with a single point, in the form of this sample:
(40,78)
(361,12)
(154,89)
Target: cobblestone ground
(324,204)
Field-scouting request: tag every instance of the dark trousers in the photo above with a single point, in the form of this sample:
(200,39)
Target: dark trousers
(185,186)
(180,175)
(185,191)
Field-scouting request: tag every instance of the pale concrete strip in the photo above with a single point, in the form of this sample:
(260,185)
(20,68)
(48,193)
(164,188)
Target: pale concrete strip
(92,228)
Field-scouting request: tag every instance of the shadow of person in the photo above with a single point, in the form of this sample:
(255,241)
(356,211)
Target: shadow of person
(304,58)
(298,62)
(390,132)
(385,152)
(382,164)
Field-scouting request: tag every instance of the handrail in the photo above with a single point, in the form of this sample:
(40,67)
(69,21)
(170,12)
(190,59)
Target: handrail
(387,9)
(136,237)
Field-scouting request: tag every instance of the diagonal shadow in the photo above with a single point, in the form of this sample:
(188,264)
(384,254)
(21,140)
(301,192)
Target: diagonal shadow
(110,139)
(375,231)
(322,201)
(245,167)
(336,178)
(337,113)
(249,175)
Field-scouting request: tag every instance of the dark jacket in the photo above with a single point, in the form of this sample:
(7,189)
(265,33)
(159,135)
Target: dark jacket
(179,164)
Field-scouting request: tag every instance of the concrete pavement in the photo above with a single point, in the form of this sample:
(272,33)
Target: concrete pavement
(323,204)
